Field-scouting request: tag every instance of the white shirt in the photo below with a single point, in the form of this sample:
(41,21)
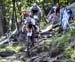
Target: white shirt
(25,22)
(31,19)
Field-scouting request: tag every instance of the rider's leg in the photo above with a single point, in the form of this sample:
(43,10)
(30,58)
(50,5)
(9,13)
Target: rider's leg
(32,39)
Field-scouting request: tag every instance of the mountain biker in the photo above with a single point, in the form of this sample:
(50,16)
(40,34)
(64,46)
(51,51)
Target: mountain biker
(30,22)
(35,9)
(54,17)
(51,10)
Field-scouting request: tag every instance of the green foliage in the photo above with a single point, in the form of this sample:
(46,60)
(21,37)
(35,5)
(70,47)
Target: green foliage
(4,60)
(63,42)
(44,4)
(11,47)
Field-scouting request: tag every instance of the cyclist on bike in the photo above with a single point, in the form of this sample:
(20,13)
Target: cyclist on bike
(53,19)
(30,22)
(35,10)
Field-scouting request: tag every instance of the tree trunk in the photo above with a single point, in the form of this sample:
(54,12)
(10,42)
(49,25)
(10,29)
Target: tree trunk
(1,19)
(3,28)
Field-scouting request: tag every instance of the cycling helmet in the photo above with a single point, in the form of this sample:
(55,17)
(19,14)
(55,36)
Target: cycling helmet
(34,4)
(53,9)
(26,14)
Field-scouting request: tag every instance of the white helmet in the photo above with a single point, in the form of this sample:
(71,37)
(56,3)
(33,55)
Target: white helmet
(54,7)
(34,4)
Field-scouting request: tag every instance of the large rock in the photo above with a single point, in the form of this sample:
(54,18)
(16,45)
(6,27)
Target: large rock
(6,53)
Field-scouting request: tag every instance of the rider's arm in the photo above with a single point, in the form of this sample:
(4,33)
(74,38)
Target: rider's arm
(25,21)
(24,24)
(49,18)
(23,27)
(49,13)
